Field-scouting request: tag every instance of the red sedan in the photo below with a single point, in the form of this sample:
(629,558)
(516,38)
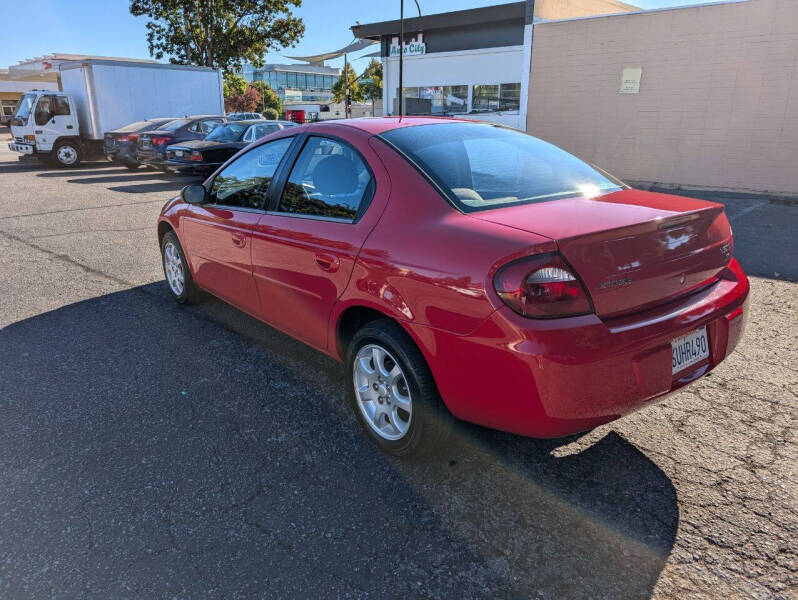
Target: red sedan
(464,269)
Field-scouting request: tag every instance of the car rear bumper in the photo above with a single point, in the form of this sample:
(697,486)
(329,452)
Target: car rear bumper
(550,378)
(151,157)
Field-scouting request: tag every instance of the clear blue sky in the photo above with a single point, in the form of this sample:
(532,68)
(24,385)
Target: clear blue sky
(105,27)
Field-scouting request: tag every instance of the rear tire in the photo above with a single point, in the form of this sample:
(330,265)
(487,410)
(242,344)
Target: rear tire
(393,394)
(131,166)
(179,282)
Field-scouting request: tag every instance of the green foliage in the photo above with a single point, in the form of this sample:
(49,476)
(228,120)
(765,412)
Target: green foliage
(218,33)
(271,113)
(372,84)
(234,84)
(269,98)
(339,87)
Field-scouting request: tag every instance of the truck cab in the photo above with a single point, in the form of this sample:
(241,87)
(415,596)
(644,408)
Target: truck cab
(45,124)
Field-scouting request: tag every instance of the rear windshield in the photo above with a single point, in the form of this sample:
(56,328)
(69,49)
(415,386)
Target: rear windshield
(231,132)
(143,125)
(481,166)
(176,124)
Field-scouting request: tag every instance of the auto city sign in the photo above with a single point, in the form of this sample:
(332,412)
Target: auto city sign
(411,48)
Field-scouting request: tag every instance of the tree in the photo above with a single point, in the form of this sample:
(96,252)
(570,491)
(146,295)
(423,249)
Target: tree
(339,87)
(270,113)
(371,80)
(269,98)
(234,84)
(246,102)
(218,33)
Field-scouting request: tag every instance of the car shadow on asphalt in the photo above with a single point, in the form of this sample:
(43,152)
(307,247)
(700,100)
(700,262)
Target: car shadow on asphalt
(150,447)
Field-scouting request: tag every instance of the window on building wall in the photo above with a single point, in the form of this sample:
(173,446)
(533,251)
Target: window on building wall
(282,79)
(489,98)
(300,81)
(509,96)
(292,80)
(436,100)
(485,98)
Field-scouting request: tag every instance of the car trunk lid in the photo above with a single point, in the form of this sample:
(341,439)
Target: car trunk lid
(633,250)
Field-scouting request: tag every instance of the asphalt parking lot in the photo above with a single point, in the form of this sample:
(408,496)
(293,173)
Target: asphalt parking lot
(151,451)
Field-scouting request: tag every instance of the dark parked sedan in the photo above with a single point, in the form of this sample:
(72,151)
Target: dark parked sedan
(152,144)
(205,156)
(120,145)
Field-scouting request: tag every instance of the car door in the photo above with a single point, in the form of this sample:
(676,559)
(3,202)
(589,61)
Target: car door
(218,233)
(323,207)
(53,118)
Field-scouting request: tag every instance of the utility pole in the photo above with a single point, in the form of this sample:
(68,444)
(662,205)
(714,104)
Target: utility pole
(346,89)
(401,51)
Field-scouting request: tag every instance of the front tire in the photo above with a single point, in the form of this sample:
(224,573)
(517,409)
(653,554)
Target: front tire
(131,166)
(67,154)
(393,394)
(179,282)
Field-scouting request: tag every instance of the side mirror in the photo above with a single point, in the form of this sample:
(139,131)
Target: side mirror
(194,194)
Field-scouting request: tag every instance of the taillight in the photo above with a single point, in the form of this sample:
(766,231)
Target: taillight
(195,156)
(542,287)
(131,137)
(160,140)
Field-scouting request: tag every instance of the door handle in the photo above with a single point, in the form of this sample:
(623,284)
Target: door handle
(69,127)
(328,262)
(239,241)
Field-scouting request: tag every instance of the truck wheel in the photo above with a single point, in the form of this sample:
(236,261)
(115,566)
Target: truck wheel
(67,154)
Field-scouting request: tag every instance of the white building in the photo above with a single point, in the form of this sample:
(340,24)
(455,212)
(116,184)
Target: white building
(473,63)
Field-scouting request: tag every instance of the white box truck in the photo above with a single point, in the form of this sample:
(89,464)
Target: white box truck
(102,95)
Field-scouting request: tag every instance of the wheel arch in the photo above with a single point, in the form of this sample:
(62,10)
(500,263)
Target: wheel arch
(348,319)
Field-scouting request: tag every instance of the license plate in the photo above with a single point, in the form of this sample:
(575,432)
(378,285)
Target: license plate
(689,350)
(178,153)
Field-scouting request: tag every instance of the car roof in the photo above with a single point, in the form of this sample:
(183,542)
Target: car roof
(248,121)
(378,125)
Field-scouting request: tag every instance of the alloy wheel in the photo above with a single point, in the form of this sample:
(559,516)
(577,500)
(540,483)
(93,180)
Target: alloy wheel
(382,392)
(173,268)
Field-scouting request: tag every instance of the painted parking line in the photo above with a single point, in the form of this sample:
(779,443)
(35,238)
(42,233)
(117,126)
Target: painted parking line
(747,209)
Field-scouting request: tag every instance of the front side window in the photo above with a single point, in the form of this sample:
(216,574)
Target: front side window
(480,166)
(329,179)
(245,182)
(45,110)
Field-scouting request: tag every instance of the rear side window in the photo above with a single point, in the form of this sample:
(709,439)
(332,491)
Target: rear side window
(244,182)
(481,166)
(328,179)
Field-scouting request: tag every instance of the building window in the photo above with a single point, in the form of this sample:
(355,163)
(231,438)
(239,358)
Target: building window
(282,79)
(490,98)
(436,100)
(485,98)
(509,96)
